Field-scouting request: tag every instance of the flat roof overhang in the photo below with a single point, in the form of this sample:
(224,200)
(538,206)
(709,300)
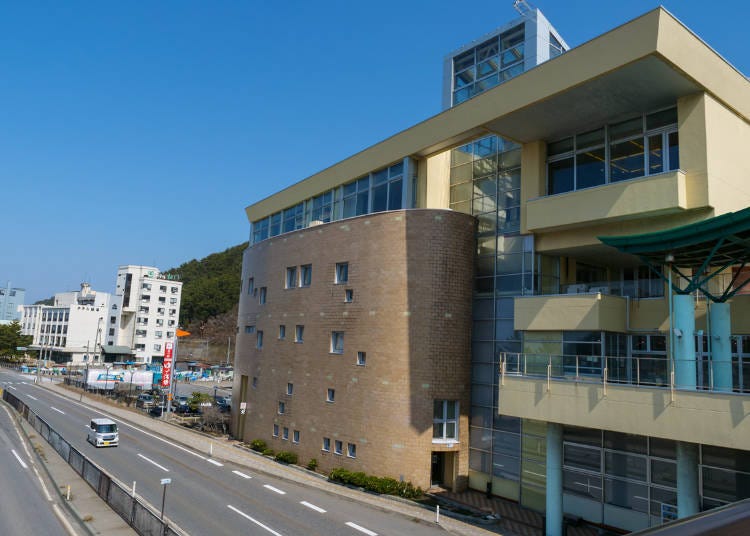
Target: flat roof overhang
(642,65)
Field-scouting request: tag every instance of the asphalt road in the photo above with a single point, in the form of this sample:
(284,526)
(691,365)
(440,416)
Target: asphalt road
(27,505)
(208,496)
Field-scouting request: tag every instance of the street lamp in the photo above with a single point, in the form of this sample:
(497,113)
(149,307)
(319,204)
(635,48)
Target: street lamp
(164,482)
(106,379)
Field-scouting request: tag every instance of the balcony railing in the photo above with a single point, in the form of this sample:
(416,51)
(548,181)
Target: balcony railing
(638,371)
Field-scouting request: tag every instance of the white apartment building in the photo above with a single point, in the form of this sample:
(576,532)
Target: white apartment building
(144,313)
(70,331)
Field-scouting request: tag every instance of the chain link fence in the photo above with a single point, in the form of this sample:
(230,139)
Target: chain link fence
(137,513)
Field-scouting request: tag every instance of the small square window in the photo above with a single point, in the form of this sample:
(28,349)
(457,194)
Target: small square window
(342,272)
(361,359)
(299,332)
(331,395)
(326,444)
(349,295)
(275,430)
(262,296)
(289,388)
(337,342)
(295,436)
(291,277)
(282,408)
(282,331)
(305,276)
(338,447)
(285,434)
(351,450)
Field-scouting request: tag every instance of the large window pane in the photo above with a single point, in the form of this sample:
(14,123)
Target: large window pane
(590,168)
(560,176)
(380,198)
(655,154)
(663,473)
(626,160)
(588,458)
(626,494)
(674,151)
(586,485)
(394,194)
(625,465)
(479,461)
(505,466)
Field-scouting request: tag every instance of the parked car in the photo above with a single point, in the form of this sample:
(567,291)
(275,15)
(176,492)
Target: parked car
(145,401)
(156,411)
(224,403)
(185,410)
(180,400)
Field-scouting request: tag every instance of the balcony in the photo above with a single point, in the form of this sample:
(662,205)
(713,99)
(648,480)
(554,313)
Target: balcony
(666,193)
(629,395)
(585,308)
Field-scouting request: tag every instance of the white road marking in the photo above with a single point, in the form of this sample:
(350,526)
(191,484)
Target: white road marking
(243,475)
(215,462)
(243,514)
(23,463)
(57,410)
(152,461)
(313,507)
(11,387)
(361,529)
(33,397)
(277,490)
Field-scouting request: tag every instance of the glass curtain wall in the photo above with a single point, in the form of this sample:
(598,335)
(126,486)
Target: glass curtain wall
(485,182)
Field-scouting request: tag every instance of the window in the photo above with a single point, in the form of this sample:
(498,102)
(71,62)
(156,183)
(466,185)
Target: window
(112,319)
(140,333)
(163,300)
(262,296)
(250,285)
(445,420)
(638,147)
(342,272)
(349,295)
(291,277)
(146,286)
(255,382)
(157,347)
(174,290)
(351,450)
(282,332)
(337,342)
(285,434)
(162,288)
(305,275)
(326,444)
(282,407)
(158,334)
(361,359)
(295,436)
(159,322)
(172,301)
(289,388)
(275,430)
(331,395)
(170,334)
(338,447)
(259,341)
(159,310)
(111,331)
(299,332)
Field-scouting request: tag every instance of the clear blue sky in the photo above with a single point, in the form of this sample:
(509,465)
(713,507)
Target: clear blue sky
(137,132)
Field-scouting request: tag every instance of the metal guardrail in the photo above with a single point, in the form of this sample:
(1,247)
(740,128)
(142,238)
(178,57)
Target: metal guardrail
(144,519)
(639,371)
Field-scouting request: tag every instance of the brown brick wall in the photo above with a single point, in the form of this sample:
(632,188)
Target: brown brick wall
(411,274)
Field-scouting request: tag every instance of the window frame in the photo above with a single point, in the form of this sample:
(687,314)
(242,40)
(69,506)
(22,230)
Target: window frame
(337,342)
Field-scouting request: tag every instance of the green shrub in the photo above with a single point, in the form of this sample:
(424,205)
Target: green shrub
(258,445)
(383,485)
(286,457)
(267,452)
(312,464)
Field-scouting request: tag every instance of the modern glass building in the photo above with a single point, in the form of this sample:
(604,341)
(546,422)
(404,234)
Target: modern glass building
(493,314)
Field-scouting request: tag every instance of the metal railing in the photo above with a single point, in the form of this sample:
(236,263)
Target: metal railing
(144,519)
(688,374)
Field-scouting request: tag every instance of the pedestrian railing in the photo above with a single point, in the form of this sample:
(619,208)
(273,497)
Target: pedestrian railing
(141,516)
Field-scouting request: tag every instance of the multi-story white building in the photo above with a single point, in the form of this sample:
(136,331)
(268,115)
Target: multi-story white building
(11,300)
(144,313)
(70,330)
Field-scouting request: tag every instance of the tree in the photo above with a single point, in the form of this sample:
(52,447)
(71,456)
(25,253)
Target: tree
(11,338)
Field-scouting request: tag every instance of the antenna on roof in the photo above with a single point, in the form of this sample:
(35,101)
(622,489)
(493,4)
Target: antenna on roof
(524,8)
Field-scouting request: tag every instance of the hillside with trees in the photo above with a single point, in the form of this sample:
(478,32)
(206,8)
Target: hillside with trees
(210,293)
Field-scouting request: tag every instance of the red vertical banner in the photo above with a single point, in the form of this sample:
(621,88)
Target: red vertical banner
(166,367)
